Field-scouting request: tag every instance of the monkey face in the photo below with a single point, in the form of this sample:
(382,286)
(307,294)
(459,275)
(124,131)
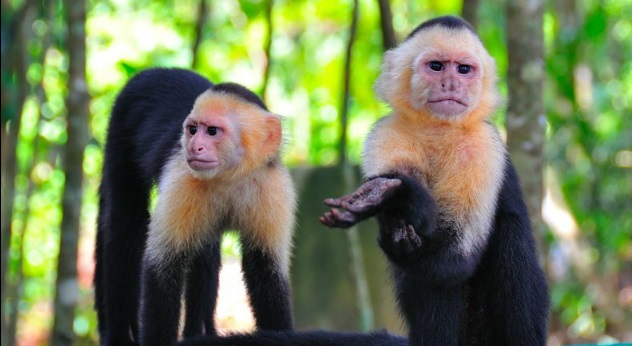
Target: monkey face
(446,83)
(210,139)
(439,73)
(225,134)
(205,141)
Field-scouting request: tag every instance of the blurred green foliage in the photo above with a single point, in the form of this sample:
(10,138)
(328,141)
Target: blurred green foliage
(588,99)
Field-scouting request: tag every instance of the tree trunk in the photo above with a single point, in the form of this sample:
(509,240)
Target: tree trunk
(14,62)
(386,22)
(67,289)
(469,11)
(525,110)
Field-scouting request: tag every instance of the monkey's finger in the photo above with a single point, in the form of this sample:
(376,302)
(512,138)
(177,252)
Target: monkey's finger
(415,240)
(327,220)
(333,202)
(338,219)
(399,241)
(344,218)
(358,206)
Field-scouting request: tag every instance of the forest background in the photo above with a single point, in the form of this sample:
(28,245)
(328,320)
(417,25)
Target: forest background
(566,73)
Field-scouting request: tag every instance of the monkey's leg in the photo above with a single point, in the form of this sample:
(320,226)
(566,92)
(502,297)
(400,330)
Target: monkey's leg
(161,294)
(433,314)
(201,291)
(121,238)
(268,288)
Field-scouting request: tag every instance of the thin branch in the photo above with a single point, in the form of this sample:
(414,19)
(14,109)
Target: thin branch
(203,14)
(347,85)
(386,21)
(357,260)
(268,49)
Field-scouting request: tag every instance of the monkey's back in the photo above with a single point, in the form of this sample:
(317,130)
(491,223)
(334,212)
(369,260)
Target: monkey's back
(150,110)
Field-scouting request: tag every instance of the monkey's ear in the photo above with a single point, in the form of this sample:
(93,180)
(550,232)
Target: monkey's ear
(388,77)
(274,134)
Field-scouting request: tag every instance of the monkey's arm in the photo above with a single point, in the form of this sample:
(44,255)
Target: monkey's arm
(409,205)
(438,255)
(410,233)
(405,210)
(512,266)
(365,202)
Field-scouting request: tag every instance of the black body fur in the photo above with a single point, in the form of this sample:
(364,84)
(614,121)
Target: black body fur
(145,127)
(495,297)
(306,338)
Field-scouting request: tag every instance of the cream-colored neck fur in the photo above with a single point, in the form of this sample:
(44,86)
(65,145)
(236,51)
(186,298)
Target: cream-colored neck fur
(462,166)
(190,211)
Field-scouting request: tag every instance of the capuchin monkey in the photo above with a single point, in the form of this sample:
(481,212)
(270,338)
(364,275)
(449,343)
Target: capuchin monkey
(452,218)
(451,214)
(213,150)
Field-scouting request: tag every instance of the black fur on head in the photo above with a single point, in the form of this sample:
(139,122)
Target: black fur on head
(450,22)
(239,91)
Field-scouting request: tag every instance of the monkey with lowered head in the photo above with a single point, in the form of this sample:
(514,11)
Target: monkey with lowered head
(213,150)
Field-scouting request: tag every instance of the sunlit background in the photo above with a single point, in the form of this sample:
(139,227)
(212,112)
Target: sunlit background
(585,244)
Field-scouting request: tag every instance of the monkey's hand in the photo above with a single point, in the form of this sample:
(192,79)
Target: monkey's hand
(398,238)
(365,202)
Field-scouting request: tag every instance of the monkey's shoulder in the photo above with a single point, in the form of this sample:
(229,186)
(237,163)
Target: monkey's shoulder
(390,146)
(439,150)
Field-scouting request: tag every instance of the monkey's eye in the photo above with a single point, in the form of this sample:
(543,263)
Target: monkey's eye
(464,69)
(212,130)
(435,65)
(192,129)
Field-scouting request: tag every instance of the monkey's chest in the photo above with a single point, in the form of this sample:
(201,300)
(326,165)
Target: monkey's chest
(463,181)
(202,208)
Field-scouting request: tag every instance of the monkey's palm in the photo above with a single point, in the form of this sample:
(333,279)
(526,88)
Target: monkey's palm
(365,202)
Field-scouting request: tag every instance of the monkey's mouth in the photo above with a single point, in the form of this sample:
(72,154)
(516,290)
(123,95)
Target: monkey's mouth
(202,165)
(447,106)
(448,100)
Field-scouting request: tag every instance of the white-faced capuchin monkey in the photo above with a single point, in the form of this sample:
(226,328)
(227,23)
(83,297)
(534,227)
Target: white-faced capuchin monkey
(213,150)
(452,219)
